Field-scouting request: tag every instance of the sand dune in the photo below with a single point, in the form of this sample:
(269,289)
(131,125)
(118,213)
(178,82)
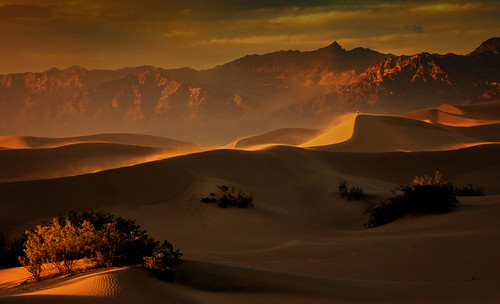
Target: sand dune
(27,142)
(118,285)
(301,243)
(460,116)
(374,133)
(75,159)
(31,158)
(303,177)
(338,133)
(286,136)
(417,258)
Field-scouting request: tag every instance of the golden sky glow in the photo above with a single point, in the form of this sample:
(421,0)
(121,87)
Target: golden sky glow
(38,35)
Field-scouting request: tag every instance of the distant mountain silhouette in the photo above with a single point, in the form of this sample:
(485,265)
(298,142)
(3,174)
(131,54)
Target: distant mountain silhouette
(404,83)
(250,94)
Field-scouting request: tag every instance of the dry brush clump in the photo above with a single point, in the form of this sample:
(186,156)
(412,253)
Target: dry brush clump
(353,193)
(424,195)
(230,197)
(100,239)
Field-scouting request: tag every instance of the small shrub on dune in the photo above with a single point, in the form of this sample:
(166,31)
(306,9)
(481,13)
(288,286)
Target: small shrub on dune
(424,195)
(351,193)
(230,197)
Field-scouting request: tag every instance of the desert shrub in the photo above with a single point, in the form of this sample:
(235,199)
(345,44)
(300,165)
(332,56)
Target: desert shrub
(101,238)
(424,195)
(230,197)
(53,244)
(111,240)
(351,193)
(469,190)
(208,200)
(164,256)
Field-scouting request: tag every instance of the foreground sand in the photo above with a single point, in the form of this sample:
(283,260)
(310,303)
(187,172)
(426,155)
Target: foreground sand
(301,243)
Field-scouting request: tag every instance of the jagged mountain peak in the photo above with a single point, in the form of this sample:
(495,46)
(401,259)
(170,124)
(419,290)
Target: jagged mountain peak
(334,47)
(491,45)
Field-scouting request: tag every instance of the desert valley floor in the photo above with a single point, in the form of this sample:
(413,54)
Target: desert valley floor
(301,243)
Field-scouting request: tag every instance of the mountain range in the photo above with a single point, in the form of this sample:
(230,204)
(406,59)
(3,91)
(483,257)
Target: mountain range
(250,94)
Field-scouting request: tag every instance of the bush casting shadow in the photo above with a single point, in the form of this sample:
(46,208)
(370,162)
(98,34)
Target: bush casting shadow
(100,239)
(424,195)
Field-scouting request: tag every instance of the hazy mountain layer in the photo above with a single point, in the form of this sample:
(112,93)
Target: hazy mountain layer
(249,95)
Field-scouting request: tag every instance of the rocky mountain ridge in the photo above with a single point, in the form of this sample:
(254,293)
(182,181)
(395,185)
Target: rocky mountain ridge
(284,88)
(405,83)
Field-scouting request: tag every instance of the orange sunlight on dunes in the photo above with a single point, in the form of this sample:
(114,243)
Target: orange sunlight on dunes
(201,152)
(286,136)
(375,133)
(336,134)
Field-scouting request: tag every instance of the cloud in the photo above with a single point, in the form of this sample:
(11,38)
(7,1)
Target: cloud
(171,33)
(417,28)
(314,18)
(447,7)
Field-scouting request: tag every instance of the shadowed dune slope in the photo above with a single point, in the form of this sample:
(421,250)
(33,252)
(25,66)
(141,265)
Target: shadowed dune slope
(286,136)
(300,244)
(488,133)
(303,176)
(75,159)
(27,142)
(374,133)
(216,283)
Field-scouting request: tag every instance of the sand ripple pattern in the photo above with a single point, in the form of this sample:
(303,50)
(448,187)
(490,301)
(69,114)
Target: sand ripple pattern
(102,284)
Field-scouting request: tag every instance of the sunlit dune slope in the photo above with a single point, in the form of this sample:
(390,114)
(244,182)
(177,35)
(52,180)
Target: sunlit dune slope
(374,133)
(286,136)
(118,285)
(27,142)
(461,116)
(336,134)
(30,164)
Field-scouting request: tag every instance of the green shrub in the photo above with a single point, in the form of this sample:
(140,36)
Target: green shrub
(423,195)
(351,193)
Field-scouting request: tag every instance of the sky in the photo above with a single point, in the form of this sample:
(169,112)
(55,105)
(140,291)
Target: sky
(38,35)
